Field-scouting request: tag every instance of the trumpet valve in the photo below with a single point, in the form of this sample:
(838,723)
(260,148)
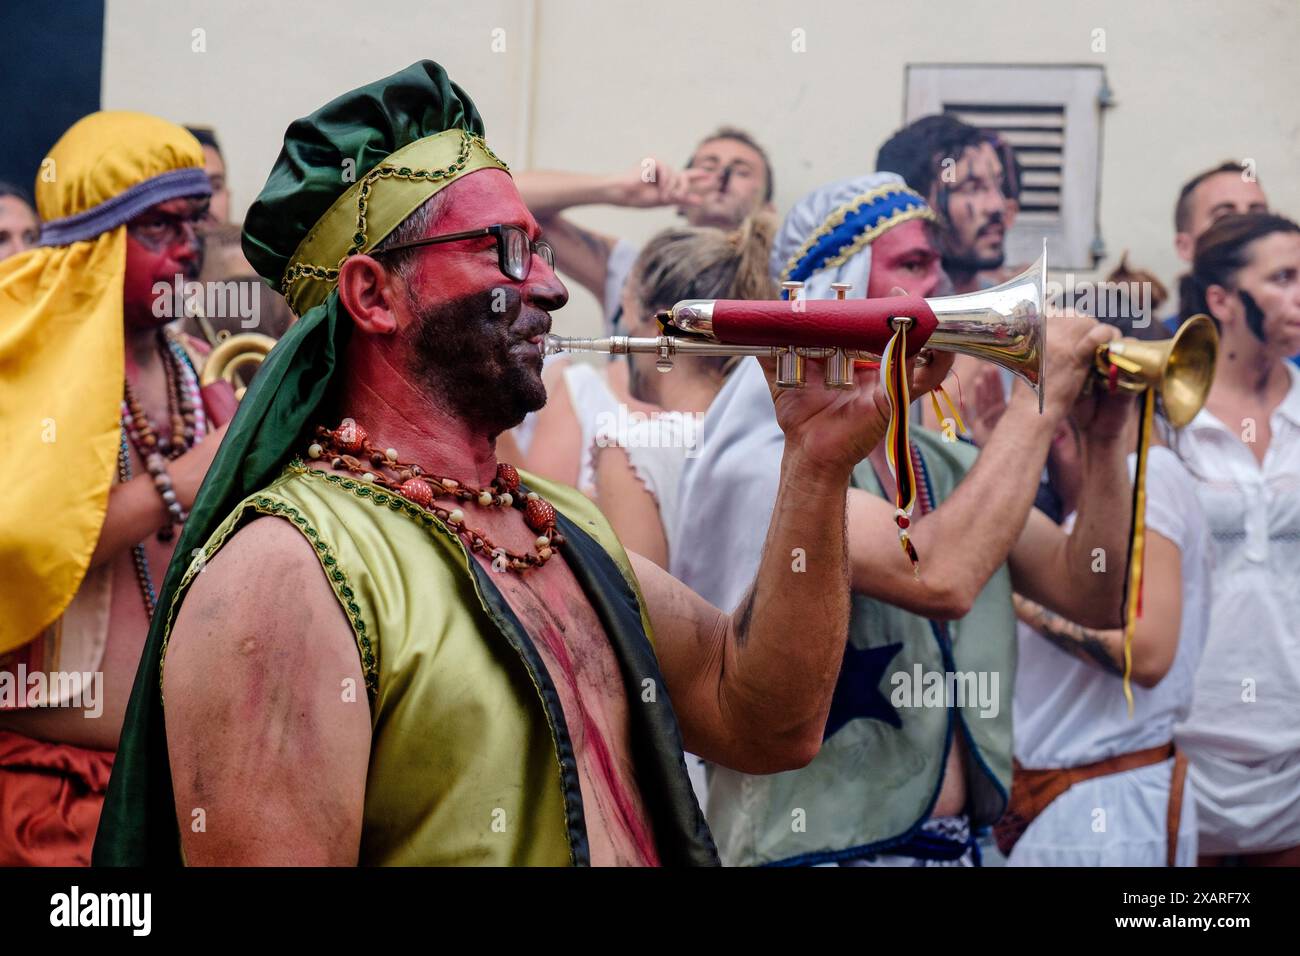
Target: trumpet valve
(792,290)
(839,370)
(664,360)
(790,369)
(842,289)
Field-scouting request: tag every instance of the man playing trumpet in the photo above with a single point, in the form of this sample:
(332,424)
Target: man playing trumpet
(916,751)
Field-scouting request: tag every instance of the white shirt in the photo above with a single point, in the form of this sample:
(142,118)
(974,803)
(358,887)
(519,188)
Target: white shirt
(621,259)
(595,407)
(730,489)
(1068,713)
(1243,734)
(657,445)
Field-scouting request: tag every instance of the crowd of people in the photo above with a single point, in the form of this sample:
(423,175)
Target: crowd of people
(433,596)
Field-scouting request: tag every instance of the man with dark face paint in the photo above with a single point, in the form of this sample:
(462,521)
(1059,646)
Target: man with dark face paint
(448,661)
(958,169)
(106,398)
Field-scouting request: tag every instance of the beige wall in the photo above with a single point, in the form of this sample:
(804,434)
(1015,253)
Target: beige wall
(598,86)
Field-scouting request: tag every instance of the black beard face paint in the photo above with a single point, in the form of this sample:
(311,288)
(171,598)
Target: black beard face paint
(962,261)
(1254,315)
(479,362)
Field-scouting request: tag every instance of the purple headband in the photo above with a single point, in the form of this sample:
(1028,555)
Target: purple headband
(125,206)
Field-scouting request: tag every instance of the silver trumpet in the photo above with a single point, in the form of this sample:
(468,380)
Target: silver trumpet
(1003,325)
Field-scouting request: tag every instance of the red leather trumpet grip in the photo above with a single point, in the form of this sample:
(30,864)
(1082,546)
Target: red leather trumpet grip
(843,323)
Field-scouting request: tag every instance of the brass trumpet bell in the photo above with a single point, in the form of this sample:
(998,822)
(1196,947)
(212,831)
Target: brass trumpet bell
(233,353)
(1181,369)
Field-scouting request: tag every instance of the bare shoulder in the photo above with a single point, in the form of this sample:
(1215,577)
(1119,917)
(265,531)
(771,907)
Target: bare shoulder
(268,728)
(263,593)
(262,563)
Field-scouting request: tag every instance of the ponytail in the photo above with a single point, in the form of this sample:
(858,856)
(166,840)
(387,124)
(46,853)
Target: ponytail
(706,263)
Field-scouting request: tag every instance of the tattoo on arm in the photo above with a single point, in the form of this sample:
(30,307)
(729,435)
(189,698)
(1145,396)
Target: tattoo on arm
(1084,643)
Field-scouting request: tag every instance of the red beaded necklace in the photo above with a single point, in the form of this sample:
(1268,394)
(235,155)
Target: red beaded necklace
(346,446)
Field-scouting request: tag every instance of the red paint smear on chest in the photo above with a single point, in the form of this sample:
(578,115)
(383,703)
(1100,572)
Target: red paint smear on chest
(627,811)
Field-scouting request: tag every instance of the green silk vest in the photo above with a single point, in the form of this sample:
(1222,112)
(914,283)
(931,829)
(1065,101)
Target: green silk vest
(471,761)
(878,773)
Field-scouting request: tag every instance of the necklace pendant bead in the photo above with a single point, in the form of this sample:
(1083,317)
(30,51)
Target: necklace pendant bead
(418,490)
(456,516)
(542,542)
(391,454)
(507,500)
(485,499)
(507,476)
(539,514)
(351,436)
(314,450)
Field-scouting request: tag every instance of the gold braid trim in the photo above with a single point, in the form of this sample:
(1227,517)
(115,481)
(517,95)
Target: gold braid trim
(362,216)
(842,212)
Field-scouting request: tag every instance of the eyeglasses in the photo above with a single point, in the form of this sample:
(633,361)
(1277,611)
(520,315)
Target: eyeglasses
(160,230)
(514,249)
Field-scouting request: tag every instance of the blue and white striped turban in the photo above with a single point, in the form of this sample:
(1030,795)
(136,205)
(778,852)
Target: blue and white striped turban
(827,236)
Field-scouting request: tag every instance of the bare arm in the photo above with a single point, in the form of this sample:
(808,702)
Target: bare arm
(968,537)
(136,509)
(1057,570)
(972,533)
(264,732)
(583,254)
(1155,638)
(752,689)
(631,508)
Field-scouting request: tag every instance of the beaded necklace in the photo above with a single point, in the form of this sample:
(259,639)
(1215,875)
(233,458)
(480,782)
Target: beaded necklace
(188,427)
(340,447)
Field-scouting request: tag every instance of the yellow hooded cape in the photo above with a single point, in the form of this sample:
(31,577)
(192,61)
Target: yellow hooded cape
(61,354)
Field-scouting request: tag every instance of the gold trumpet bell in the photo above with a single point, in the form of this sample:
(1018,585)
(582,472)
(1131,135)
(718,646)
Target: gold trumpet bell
(1181,369)
(233,353)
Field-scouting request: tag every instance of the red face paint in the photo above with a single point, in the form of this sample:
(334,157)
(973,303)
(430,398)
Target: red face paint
(904,257)
(161,244)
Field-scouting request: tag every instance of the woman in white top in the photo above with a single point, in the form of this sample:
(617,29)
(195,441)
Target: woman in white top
(639,461)
(1243,734)
(1070,709)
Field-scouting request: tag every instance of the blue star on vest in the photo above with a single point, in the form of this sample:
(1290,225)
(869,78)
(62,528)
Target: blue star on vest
(857,692)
